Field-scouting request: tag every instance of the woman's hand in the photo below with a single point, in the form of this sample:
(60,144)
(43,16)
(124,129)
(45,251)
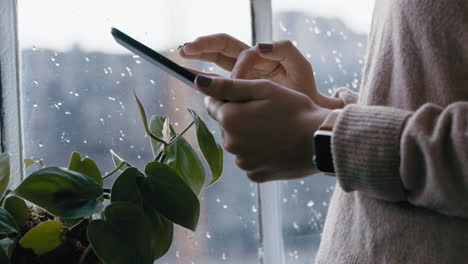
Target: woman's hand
(280,62)
(267,126)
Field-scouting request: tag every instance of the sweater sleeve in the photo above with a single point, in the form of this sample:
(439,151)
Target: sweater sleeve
(395,155)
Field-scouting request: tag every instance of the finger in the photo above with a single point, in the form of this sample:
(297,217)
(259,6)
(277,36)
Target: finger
(235,90)
(250,65)
(217,43)
(285,53)
(200,72)
(248,164)
(214,107)
(221,60)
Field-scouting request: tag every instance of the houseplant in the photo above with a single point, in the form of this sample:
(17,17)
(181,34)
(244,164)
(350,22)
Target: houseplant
(65,215)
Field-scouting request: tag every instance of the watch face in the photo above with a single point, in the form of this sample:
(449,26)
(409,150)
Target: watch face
(323,155)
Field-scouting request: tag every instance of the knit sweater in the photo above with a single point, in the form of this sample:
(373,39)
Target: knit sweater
(401,152)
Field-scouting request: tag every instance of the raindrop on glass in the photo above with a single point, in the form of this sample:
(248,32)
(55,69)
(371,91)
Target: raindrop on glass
(254,209)
(129,71)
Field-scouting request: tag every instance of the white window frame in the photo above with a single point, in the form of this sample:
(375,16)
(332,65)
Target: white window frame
(11,136)
(11,126)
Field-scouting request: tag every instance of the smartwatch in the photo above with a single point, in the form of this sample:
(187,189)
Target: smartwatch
(323,157)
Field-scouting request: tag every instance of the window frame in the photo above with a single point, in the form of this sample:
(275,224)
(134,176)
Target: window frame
(271,247)
(11,126)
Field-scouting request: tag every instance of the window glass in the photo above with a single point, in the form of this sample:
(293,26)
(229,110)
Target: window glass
(77,86)
(332,36)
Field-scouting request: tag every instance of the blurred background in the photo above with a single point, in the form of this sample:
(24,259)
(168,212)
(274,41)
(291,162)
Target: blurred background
(77,96)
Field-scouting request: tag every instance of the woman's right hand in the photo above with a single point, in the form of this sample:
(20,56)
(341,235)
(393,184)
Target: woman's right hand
(280,62)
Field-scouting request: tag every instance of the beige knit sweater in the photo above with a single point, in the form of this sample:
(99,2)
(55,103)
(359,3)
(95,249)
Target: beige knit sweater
(401,152)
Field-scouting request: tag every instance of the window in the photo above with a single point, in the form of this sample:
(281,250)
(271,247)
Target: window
(77,83)
(77,87)
(332,35)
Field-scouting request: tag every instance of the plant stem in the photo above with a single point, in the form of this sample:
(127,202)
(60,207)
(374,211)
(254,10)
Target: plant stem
(166,148)
(85,254)
(114,170)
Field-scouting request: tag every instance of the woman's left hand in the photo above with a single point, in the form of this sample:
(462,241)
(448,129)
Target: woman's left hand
(268,127)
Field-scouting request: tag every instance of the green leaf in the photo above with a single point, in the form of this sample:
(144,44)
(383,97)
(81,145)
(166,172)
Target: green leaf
(211,150)
(123,237)
(3,257)
(168,194)
(118,160)
(62,192)
(43,238)
(4,172)
(8,245)
(86,166)
(125,189)
(18,209)
(7,223)
(162,231)
(28,163)
(181,156)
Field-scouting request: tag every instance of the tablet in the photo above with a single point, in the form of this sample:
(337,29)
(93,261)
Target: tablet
(154,57)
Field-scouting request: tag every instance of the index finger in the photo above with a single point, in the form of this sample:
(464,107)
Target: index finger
(217,43)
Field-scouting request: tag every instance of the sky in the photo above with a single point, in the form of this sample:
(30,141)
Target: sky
(161,24)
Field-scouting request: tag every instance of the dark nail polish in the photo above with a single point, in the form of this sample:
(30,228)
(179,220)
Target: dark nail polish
(204,81)
(265,47)
(183,45)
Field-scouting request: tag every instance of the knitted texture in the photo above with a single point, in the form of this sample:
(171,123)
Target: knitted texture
(375,130)
(401,152)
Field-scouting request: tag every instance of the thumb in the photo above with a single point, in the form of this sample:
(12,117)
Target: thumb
(233,89)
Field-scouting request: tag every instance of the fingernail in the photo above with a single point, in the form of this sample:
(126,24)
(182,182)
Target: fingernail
(183,45)
(265,47)
(204,81)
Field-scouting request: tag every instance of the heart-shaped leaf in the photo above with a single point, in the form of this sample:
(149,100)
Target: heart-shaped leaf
(62,192)
(211,150)
(181,156)
(7,223)
(86,167)
(125,189)
(4,172)
(123,237)
(162,231)
(43,238)
(118,160)
(168,194)
(18,209)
